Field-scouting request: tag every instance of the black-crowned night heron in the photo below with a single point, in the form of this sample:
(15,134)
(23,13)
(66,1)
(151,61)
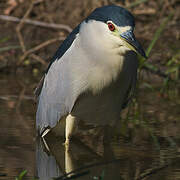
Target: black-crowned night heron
(93,73)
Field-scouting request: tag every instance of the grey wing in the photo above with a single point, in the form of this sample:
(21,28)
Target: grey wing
(55,99)
(59,53)
(53,95)
(49,110)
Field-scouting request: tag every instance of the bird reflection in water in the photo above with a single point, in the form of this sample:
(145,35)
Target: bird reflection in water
(59,161)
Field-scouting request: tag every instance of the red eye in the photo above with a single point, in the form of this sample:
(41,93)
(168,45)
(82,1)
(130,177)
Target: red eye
(111,27)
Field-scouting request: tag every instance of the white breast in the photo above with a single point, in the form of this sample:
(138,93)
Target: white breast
(101,60)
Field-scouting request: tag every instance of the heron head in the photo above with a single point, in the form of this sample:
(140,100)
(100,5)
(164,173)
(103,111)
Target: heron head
(111,28)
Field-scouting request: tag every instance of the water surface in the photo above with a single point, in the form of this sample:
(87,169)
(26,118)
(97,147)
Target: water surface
(144,145)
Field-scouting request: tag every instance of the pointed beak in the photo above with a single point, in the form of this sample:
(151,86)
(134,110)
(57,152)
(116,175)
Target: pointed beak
(133,44)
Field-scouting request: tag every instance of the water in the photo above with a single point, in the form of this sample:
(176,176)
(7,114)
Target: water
(144,146)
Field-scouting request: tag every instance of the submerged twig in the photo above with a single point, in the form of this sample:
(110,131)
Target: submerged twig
(155,170)
(9,97)
(38,47)
(88,166)
(149,11)
(21,22)
(74,176)
(158,72)
(136,3)
(37,23)
(20,37)
(39,59)
(9,48)
(19,26)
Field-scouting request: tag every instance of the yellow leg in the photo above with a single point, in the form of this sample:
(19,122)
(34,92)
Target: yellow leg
(70,128)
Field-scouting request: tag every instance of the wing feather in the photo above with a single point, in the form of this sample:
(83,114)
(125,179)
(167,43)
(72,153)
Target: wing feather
(52,89)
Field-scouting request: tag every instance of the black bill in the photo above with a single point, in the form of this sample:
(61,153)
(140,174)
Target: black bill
(129,37)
